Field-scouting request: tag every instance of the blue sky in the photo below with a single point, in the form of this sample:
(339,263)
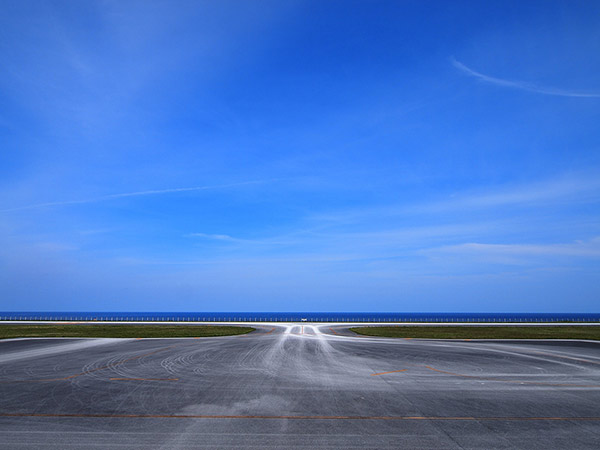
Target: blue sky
(300,156)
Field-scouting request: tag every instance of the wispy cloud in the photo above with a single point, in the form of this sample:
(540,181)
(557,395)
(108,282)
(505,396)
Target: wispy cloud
(345,246)
(590,249)
(523,85)
(278,240)
(134,194)
(581,187)
(95,231)
(217,237)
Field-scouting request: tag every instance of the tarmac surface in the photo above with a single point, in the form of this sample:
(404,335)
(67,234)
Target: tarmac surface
(298,386)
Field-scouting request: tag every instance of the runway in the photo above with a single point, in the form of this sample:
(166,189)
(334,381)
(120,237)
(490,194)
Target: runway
(298,386)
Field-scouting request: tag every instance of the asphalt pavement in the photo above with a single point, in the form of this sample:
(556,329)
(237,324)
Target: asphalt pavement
(298,386)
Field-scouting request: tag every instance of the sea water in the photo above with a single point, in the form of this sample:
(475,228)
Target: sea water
(298,316)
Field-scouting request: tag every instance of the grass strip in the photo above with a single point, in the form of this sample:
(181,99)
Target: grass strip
(483,332)
(118,330)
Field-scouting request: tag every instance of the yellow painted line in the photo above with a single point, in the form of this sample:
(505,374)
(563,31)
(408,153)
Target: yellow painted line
(207,416)
(391,371)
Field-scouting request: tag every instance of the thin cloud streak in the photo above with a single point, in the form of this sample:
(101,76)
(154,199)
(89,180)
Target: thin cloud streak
(218,237)
(583,189)
(134,194)
(573,188)
(589,248)
(522,84)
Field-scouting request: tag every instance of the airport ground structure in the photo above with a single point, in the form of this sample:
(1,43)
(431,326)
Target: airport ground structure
(299,385)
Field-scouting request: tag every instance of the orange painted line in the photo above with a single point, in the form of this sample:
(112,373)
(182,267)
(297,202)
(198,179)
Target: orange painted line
(535,383)
(203,416)
(391,371)
(144,379)
(333,331)
(272,329)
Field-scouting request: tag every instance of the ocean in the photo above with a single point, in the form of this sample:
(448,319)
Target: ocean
(297,316)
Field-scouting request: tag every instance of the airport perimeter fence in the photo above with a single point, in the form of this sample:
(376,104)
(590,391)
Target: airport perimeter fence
(199,318)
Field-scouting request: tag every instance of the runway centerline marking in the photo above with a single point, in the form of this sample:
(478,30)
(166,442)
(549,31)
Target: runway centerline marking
(391,371)
(284,417)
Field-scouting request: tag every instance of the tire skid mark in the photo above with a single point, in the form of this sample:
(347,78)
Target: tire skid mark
(86,372)
(535,383)
(143,379)
(573,358)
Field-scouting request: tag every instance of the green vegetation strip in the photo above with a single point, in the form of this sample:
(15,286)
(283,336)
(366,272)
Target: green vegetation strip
(483,332)
(118,330)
